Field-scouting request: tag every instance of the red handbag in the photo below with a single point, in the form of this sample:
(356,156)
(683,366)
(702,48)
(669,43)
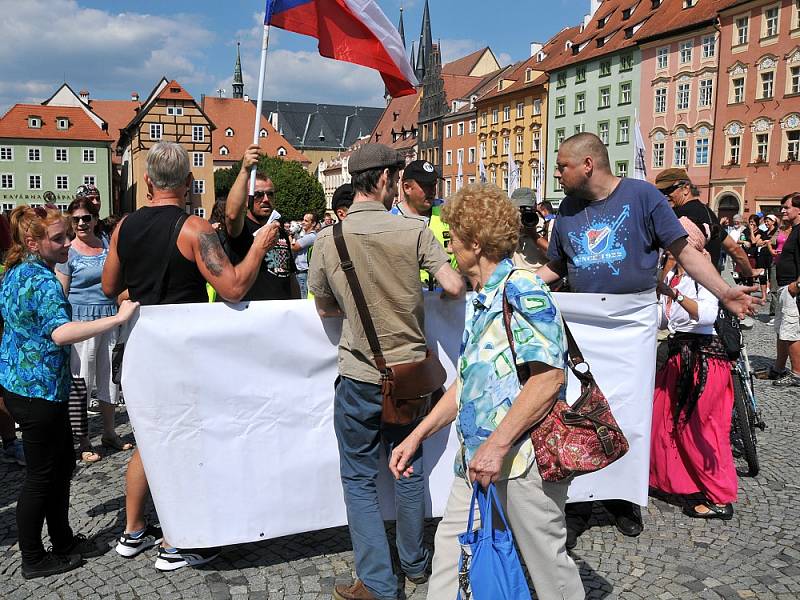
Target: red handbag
(578,439)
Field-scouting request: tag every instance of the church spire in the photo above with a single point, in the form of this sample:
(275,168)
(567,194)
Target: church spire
(425,43)
(401,29)
(238,83)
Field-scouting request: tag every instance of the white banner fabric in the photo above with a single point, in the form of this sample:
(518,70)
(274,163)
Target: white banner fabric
(232,406)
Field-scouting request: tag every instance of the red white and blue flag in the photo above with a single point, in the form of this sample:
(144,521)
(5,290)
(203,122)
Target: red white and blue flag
(354,31)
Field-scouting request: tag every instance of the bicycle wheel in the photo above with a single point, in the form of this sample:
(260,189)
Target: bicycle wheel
(742,424)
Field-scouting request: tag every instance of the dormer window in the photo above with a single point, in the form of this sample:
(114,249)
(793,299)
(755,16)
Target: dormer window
(62,123)
(262,133)
(601,22)
(626,14)
(229,132)
(281,151)
(688,3)
(655,3)
(175,90)
(223,151)
(528,75)
(500,86)
(34,122)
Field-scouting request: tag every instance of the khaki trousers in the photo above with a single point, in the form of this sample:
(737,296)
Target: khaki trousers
(535,512)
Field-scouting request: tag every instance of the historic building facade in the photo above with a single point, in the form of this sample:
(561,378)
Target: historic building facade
(756,157)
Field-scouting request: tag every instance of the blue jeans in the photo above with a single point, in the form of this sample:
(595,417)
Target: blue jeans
(302,282)
(357,421)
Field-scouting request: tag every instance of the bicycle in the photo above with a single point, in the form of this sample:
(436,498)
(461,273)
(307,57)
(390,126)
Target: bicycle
(746,417)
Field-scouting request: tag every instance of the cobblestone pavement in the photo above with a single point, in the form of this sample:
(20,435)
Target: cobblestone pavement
(756,555)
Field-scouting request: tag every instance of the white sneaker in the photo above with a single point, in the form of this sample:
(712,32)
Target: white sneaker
(171,559)
(132,544)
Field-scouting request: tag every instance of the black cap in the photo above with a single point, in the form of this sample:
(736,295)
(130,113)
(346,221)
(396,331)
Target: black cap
(342,197)
(374,156)
(421,171)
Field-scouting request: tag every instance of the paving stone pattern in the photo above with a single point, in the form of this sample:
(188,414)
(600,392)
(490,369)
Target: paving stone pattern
(756,555)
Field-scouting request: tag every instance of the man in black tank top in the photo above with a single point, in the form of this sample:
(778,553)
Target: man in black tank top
(243,216)
(135,262)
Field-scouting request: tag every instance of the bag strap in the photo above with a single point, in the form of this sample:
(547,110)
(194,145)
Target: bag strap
(358,297)
(173,240)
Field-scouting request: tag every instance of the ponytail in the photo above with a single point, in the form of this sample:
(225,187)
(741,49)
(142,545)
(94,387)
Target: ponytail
(27,222)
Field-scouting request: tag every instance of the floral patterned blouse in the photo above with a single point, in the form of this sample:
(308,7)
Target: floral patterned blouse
(487,383)
(33,305)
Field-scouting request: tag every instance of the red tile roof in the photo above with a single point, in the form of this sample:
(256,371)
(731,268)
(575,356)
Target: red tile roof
(14,124)
(239,115)
(672,17)
(464,65)
(117,113)
(174,91)
(401,115)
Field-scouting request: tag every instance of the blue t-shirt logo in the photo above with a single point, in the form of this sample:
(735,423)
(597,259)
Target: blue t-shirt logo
(598,243)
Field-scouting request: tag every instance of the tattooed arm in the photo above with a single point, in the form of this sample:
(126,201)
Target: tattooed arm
(231,282)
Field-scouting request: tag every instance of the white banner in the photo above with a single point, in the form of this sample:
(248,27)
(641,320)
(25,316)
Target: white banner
(232,406)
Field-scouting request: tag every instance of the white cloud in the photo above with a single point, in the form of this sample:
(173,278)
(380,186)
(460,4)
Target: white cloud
(95,49)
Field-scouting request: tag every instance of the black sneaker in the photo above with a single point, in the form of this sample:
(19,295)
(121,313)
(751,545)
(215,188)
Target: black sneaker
(788,379)
(83,547)
(171,559)
(131,544)
(51,564)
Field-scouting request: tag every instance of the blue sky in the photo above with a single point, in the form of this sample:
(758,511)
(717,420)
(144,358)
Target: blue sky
(115,47)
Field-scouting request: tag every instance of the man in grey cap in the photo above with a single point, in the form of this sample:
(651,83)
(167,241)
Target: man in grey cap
(532,247)
(387,253)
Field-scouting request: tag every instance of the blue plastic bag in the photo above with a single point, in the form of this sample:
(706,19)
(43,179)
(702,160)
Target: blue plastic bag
(489,567)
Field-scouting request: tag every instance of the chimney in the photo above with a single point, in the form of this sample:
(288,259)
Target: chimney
(594,5)
(535,47)
(84,95)
(134,96)
(246,98)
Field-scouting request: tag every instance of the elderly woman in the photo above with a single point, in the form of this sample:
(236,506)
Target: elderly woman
(492,408)
(35,373)
(90,360)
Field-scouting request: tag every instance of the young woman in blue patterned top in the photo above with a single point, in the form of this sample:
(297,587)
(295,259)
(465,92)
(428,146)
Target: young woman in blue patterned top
(35,373)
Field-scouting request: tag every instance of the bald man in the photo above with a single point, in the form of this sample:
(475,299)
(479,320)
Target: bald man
(607,239)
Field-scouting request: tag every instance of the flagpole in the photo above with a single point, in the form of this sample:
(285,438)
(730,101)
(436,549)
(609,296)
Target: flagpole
(260,101)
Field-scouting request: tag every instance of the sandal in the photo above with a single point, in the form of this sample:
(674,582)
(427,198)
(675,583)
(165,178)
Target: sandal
(89,456)
(117,443)
(714,511)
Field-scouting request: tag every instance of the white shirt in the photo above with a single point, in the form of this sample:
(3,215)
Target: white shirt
(678,319)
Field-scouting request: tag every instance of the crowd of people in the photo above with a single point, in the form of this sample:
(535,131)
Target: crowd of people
(69,284)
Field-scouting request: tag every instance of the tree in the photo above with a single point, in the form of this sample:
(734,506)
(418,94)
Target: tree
(297,192)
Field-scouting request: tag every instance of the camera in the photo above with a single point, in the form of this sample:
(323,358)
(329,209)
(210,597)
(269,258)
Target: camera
(529,216)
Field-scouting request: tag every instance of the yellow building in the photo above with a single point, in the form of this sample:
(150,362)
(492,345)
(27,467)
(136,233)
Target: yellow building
(514,116)
(170,114)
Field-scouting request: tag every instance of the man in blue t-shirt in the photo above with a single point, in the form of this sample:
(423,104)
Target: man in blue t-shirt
(607,240)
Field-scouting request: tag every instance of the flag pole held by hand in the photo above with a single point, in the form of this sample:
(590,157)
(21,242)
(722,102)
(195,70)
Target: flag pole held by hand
(261,77)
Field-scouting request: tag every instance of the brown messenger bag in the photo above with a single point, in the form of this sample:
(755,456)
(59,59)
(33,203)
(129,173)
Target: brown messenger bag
(406,387)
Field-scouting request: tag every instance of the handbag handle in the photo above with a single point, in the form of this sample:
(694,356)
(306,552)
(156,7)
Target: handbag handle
(486,500)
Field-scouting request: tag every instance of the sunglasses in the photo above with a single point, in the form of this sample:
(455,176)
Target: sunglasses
(260,195)
(672,188)
(82,219)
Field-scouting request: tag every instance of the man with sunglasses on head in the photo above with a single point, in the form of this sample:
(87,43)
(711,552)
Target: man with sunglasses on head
(682,197)
(243,217)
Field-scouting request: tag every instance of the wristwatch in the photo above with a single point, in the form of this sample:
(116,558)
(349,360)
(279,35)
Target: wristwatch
(680,298)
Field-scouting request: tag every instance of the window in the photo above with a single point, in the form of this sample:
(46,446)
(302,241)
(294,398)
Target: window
(625,92)
(762,147)
(661,100)
(282,151)
(88,155)
(494,146)
(622,168)
(623,131)
(528,75)
(482,148)
(767,84)
(737,90)
(561,80)
(506,113)
(580,75)
(559,137)
(537,106)
(34,182)
(602,131)
(460,128)
(685,52)
(448,131)
(605,68)
(62,155)
(734,150)
(6,153)
(506,145)
(156,131)
(198,186)
(62,182)
(742,30)
(448,157)
(473,126)
(89,180)
(8,206)
(34,154)
(701,151)
(794,80)
(679,157)
(223,151)
(520,143)
(229,132)
(658,155)
(198,159)
(561,106)
(770,22)
(484,118)
(62,123)
(520,110)
(200,212)
(198,133)
(557,185)
(471,155)
(706,92)
(175,111)
(682,101)
(793,145)
(579,128)
(34,123)
(263,133)
(536,140)
(626,62)
(605,97)
(6,181)
(580,102)
(495,116)
(662,57)
(709,46)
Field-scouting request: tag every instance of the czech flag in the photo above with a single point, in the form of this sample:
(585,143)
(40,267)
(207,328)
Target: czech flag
(354,31)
